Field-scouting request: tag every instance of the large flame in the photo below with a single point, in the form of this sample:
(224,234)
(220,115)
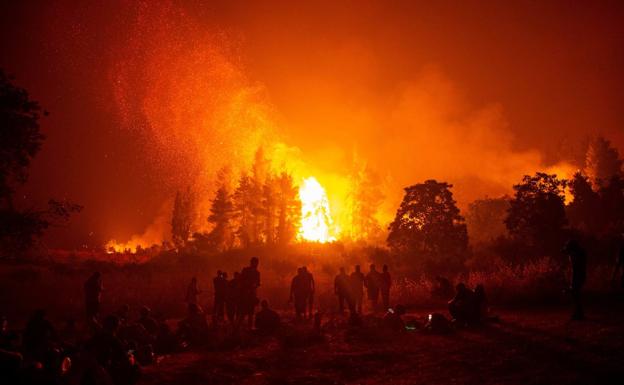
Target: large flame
(316,220)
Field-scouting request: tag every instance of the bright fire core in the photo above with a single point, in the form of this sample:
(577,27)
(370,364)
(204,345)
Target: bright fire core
(316,221)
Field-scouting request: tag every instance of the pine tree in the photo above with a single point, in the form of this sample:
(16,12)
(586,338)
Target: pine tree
(288,208)
(602,162)
(221,214)
(366,199)
(182,218)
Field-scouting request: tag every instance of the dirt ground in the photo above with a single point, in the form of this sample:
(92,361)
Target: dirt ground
(525,347)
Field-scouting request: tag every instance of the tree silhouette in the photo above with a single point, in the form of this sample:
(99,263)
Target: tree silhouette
(245,201)
(20,141)
(585,212)
(602,162)
(429,227)
(20,138)
(536,217)
(485,219)
(221,214)
(182,218)
(288,208)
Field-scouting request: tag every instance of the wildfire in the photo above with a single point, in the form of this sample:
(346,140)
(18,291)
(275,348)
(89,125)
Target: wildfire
(316,220)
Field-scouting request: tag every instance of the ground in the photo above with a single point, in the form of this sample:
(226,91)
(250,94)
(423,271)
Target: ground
(525,347)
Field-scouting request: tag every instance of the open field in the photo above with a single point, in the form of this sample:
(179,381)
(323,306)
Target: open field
(526,347)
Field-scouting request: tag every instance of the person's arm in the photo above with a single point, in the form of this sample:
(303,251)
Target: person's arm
(312,283)
(292,289)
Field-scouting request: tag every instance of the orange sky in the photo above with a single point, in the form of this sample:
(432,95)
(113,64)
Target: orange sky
(146,98)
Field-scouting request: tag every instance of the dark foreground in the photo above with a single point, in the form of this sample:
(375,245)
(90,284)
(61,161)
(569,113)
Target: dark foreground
(525,347)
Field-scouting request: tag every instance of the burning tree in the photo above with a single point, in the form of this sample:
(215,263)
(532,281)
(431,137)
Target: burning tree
(182,217)
(366,199)
(288,208)
(221,214)
(429,227)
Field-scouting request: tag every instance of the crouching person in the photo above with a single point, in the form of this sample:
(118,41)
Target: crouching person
(267,320)
(393,320)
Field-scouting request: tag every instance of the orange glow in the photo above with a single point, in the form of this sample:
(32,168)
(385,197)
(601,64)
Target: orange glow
(316,220)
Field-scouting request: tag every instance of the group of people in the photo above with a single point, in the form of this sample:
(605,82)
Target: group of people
(350,288)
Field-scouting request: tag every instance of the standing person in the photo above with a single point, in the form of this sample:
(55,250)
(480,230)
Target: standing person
(192,292)
(250,281)
(298,293)
(232,297)
(93,290)
(578,262)
(619,265)
(220,288)
(373,283)
(386,283)
(309,287)
(357,288)
(341,288)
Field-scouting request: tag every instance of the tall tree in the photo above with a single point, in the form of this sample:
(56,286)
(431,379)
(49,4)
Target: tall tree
(485,219)
(429,227)
(20,138)
(585,211)
(536,217)
(288,208)
(602,162)
(245,202)
(182,217)
(366,198)
(221,214)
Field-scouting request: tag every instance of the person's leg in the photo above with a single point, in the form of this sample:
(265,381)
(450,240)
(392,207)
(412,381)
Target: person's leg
(341,303)
(578,305)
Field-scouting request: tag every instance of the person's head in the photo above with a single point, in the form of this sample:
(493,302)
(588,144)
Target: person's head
(372,267)
(264,304)
(480,290)
(399,310)
(385,268)
(342,270)
(357,268)
(571,246)
(224,275)
(145,311)
(39,314)
(219,273)
(300,270)
(254,262)
(124,310)
(305,269)
(111,323)
(460,287)
(97,274)
(193,308)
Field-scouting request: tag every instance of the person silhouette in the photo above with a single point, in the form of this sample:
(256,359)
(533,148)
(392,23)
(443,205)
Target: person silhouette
(341,288)
(93,290)
(386,283)
(299,293)
(267,320)
(249,283)
(193,292)
(357,288)
(578,262)
(373,284)
(220,288)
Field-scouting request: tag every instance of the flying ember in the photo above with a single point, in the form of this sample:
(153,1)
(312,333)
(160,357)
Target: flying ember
(316,221)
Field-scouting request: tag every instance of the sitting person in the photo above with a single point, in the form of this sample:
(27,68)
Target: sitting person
(267,320)
(463,306)
(194,327)
(111,354)
(148,322)
(392,320)
(481,304)
(39,336)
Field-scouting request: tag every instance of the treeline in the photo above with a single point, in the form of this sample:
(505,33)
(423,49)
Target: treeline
(263,208)
(535,222)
